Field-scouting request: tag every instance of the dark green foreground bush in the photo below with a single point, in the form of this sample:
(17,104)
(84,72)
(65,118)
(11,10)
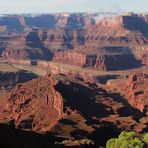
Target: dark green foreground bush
(128,140)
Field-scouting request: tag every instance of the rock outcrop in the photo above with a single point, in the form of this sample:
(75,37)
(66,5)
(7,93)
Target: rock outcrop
(107,58)
(141,53)
(134,89)
(137,91)
(28,46)
(35,105)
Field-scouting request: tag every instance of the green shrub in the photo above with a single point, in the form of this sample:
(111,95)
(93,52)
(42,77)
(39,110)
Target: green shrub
(128,140)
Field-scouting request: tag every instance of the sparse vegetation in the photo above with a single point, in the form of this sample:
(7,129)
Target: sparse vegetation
(128,140)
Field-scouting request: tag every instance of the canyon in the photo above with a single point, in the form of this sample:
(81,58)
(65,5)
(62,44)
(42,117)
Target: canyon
(108,39)
(72,108)
(74,79)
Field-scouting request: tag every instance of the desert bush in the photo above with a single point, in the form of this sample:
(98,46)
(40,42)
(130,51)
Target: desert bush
(128,140)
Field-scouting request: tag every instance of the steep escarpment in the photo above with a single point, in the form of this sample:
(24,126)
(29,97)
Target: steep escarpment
(18,23)
(107,58)
(34,105)
(15,48)
(104,42)
(141,53)
(39,21)
(137,91)
(137,23)
(11,22)
(134,89)
(58,39)
(26,46)
(108,31)
(71,57)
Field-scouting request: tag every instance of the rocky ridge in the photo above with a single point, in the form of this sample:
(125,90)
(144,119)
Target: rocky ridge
(34,105)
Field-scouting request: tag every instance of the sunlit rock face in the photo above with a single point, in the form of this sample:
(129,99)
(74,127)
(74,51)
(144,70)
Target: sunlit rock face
(35,105)
(137,91)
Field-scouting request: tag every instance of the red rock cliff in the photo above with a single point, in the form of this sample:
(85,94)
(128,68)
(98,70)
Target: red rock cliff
(35,105)
(137,91)
(108,58)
